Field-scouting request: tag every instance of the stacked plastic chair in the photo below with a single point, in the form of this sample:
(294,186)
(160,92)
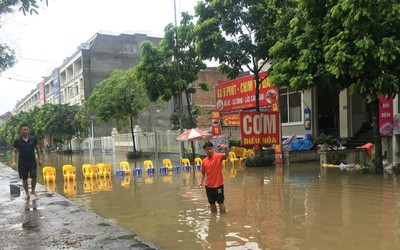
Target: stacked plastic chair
(232,158)
(197,163)
(148,166)
(186,164)
(124,167)
(168,164)
(69,172)
(49,174)
(104,170)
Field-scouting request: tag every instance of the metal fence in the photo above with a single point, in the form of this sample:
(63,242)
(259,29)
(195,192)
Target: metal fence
(146,142)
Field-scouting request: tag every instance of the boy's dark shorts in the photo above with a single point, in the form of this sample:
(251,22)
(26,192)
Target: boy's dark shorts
(215,195)
(27,169)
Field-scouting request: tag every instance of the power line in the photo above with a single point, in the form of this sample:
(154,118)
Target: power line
(18,80)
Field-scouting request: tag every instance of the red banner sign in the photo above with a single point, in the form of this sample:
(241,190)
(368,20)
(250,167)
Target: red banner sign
(215,123)
(385,116)
(259,128)
(239,94)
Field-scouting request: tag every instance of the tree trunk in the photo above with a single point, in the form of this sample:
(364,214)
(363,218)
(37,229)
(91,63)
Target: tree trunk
(189,109)
(133,134)
(378,165)
(257,94)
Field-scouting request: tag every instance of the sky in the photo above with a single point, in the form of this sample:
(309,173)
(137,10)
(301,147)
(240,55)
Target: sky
(43,41)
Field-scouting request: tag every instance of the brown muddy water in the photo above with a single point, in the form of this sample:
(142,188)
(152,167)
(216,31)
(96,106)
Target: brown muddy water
(296,206)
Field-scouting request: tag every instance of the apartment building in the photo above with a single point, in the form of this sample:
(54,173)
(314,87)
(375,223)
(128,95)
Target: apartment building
(93,61)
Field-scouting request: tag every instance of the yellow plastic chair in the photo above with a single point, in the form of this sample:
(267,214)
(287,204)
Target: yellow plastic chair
(70,188)
(124,165)
(85,170)
(248,153)
(105,184)
(167,163)
(148,166)
(104,170)
(197,163)
(185,162)
(49,174)
(239,151)
(100,166)
(90,185)
(126,181)
(69,172)
(148,179)
(232,158)
(93,171)
(52,186)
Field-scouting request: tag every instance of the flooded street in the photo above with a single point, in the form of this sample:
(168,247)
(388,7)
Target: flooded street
(297,206)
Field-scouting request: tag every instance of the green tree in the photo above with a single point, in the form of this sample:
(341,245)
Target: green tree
(42,117)
(7,54)
(347,44)
(10,129)
(59,122)
(120,97)
(64,125)
(238,34)
(171,68)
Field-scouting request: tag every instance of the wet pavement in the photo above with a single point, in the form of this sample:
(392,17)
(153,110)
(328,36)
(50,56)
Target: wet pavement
(51,221)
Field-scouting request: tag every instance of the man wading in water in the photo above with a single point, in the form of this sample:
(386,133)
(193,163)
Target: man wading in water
(211,168)
(27,166)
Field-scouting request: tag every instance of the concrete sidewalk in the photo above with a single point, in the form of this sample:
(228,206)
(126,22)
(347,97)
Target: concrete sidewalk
(51,221)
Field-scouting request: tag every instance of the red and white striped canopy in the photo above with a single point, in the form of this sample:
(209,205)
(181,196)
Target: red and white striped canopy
(193,135)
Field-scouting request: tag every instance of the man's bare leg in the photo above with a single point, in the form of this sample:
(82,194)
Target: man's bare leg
(33,184)
(26,188)
(222,208)
(213,208)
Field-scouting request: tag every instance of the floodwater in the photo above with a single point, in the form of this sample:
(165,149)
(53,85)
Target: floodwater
(296,206)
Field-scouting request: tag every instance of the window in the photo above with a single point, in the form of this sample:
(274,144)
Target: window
(76,89)
(71,91)
(290,105)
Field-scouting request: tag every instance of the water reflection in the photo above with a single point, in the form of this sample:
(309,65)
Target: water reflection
(301,206)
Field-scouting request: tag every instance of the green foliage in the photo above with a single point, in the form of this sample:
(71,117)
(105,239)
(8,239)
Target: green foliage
(371,168)
(7,54)
(170,68)
(260,160)
(57,121)
(187,121)
(64,125)
(323,139)
(118,97)
(7,57)
(234,142)
(121,97)
(347,44)
(237,34)
(133,155)
(25,6)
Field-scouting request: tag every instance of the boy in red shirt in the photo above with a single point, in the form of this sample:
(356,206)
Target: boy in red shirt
(212,168)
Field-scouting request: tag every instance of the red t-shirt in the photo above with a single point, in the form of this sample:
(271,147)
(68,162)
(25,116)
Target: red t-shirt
(213,169)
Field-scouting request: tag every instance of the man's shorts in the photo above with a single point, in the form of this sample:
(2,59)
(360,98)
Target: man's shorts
(215,195)
(27,169)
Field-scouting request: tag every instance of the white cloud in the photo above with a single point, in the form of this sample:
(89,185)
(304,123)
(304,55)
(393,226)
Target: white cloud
(43,41)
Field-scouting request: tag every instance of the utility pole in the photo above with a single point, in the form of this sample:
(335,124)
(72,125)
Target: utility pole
(181,145)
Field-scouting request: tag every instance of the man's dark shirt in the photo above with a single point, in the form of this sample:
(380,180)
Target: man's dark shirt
(26,149)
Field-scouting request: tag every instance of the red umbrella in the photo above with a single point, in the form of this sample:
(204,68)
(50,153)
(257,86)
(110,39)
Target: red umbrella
(193,135)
